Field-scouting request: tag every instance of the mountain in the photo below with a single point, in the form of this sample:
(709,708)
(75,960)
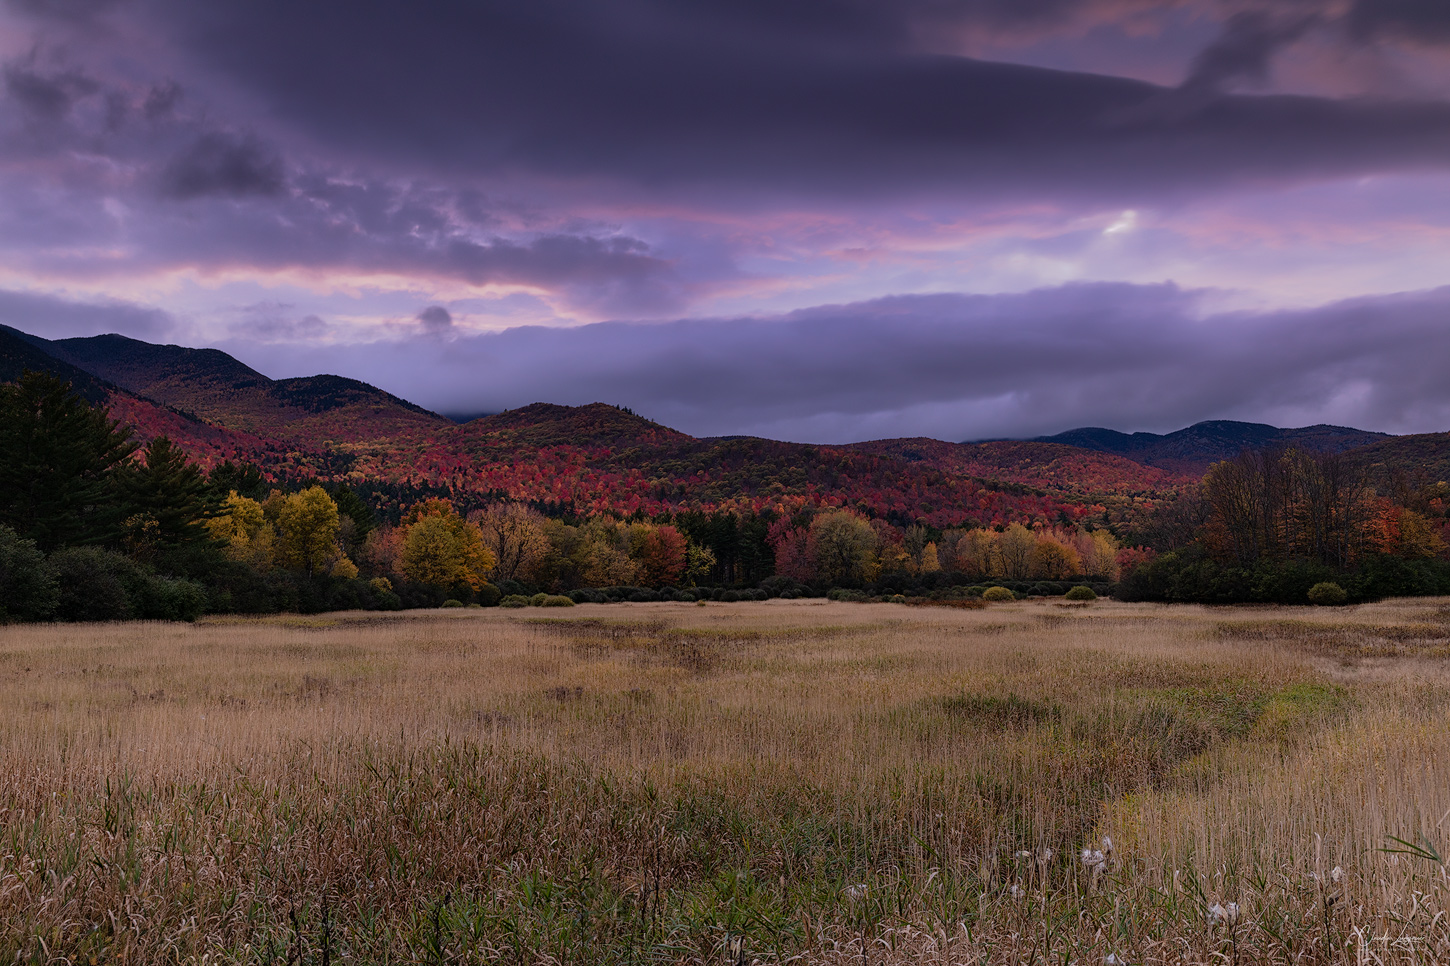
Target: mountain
(1194,449)
(203,441)
(20,351)
(1423,458)
(311,411)
(600,458)
(1047,466)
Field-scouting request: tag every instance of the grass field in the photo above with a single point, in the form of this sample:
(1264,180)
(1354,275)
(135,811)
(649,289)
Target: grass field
(791,780)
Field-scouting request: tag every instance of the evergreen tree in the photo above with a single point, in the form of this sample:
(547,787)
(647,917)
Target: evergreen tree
(168,499)
(58,463)
(243,479)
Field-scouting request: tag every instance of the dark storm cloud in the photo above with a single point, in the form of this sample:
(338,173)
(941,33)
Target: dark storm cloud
(951,366)
(1244,51)
(435,320)
(51,317)
(225,165)
(44,96)
(810,98)
(1417,21)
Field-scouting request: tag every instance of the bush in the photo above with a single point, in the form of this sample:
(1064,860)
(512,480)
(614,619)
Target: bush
(779,585)
(514,600)
(538,599)
(998,594)
(171,600)
(487,596)
(1081,592)
(93,584)
(1326,593)
(847,594)
(557,600)
(28,590)
(452,602)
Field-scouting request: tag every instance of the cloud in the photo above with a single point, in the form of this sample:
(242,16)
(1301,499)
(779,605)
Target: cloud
(951,366)
(1416,21)
(775,98)
(1242,53)
(435,320)
(48,97)
(225,165)
(52,317)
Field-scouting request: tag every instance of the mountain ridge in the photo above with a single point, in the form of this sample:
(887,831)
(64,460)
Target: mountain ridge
(1194,448)
(604,458)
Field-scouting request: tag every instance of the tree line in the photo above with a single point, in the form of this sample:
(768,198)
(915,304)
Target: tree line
(1270,525)
(94,525)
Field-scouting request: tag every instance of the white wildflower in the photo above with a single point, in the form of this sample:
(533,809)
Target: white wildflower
(1226,915)
(1107,845)
(1045,856)
(1016,891)
(1024,854)
(1094,860)
(1113,959)
(1336,874)
(854,893)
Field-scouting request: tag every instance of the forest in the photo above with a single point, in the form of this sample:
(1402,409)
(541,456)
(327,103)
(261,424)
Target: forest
(94,525)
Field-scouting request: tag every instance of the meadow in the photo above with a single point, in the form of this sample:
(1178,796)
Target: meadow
(786,781)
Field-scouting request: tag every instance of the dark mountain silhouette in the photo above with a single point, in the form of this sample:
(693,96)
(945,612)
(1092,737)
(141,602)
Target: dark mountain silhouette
(1194,449)
(214,386)
(20,351)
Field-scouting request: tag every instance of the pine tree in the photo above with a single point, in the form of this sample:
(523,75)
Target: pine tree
(170,492)
(58,463)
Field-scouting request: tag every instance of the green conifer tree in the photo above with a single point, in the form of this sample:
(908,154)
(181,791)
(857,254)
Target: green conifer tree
(58,463)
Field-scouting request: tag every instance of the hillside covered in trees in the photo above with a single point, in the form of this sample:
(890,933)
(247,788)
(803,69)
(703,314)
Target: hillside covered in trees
(179,481)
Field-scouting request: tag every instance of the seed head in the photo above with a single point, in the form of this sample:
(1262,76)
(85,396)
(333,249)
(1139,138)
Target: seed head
(1226,915)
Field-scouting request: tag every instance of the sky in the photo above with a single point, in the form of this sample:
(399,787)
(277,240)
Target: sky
(816,220)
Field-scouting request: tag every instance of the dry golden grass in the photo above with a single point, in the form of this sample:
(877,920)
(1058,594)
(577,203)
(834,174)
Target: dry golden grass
(664,782)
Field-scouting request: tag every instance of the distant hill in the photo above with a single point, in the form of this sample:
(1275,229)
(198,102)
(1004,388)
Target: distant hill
(1415,460)
(20,351)
(1194,449)
(1042,465)
(203,441)
(605,459)
(208,383)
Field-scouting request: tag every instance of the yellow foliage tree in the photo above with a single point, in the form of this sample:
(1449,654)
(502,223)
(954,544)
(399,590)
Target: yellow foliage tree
(307,530)
(243,527)
(446,551)
(1015,547)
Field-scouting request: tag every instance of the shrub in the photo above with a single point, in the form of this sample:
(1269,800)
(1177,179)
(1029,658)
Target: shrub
(1081,592)
(452,602)
(998,594)
(538,599)
(27,588)
(514,600)
(93,584)
(1326,593)
(557,600)
(487,596)
(171,600)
